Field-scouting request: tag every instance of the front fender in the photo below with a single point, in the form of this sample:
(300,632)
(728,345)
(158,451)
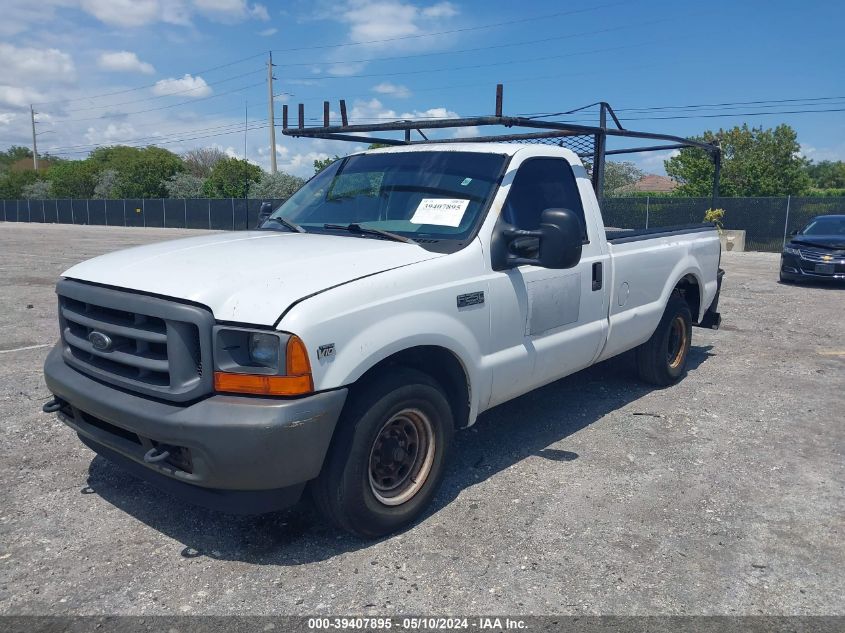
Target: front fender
(379,340)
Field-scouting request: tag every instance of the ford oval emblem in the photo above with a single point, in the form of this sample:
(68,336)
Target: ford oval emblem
(101,342)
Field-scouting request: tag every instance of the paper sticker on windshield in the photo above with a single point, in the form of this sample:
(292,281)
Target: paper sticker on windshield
(440,211)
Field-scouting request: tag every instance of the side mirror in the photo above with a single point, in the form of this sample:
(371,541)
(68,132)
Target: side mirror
(559,242)
(560,239)
(264,212)
(794,232)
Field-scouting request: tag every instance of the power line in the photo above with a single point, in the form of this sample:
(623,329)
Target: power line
(127,90)
(474,66)
(363,43)
(172,105)
(715,105)
(453,31)
(234,127)
(173,141)
(732,114)
(771,103)
(475,49)
(169,94)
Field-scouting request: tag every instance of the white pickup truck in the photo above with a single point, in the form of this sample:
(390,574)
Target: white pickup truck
(395,297)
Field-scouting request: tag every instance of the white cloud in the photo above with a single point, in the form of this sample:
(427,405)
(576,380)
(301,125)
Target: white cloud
(7,117)
(19,15)
(652,162)
(24,66)
(394,90)
(124,12)
(440,10)
(300,164)
(268,32)
(188,86)
(344,70)
(818,154)
(119,132)
(232,10)
(386,19)
(124,61)
(431,113)
(19,97)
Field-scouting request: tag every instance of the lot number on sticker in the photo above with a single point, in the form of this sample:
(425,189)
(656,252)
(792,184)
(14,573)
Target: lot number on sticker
(440,211)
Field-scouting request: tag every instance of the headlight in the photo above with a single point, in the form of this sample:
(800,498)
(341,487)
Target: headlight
(260,362)
(264,349)
(791,250)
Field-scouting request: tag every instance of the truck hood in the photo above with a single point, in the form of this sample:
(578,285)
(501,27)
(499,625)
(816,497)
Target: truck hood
(822,241)
(249,277)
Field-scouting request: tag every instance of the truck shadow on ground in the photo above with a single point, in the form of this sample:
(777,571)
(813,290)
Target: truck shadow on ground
(525,427)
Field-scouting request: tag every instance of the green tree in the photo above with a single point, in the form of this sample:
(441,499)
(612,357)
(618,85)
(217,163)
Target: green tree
(231,178)
(279,185)
(827,174)
(321,163)
(13,183)
(619,177)
(141,172)
(106,182)
(73,179)
(199,162)
(755,162)
(38,190)
(184,185)
(13,155)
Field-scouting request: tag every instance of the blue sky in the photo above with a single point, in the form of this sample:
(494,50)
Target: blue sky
(179,72)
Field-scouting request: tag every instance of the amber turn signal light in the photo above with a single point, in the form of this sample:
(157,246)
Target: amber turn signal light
(296,382)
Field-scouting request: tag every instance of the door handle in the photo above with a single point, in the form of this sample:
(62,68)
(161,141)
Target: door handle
(597,276)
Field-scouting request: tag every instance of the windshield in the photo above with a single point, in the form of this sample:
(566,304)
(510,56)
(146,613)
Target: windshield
(826,226)
(422,195)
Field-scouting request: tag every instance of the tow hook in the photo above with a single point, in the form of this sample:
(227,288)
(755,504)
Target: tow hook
(53,405)
(157,454)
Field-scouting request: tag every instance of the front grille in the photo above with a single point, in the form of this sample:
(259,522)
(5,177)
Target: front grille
(820,255)
(157,347)
(139,341)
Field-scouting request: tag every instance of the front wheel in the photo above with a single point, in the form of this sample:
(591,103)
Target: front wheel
(662,360)
(388,455)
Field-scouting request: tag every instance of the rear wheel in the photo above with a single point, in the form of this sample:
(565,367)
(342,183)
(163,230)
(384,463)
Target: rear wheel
(662,359)
(388,454)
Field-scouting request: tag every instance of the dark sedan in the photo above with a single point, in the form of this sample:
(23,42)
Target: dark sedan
(815,252)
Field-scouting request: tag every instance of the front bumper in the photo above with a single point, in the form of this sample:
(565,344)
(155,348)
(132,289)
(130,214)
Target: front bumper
(795,268)
(236,453)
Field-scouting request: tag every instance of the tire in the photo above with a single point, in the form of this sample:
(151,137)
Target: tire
(662,360)
(785,280)
(365,487)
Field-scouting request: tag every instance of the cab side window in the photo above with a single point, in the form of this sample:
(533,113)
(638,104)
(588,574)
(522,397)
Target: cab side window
(540,184)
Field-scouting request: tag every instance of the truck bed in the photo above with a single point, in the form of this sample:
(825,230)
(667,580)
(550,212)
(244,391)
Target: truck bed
(622,236)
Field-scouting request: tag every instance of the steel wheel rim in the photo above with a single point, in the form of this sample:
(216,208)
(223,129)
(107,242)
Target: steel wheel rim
(401,457)
(677,342)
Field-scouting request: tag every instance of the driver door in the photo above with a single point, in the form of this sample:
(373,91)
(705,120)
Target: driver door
(553,322)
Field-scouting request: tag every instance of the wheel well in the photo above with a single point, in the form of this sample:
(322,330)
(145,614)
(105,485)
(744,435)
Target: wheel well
(689,290)
(439,363)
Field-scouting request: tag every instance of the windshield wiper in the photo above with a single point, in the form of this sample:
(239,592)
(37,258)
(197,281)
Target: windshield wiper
(287,224)
(365,230)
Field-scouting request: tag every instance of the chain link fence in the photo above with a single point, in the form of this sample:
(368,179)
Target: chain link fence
(766,221)
(226,214)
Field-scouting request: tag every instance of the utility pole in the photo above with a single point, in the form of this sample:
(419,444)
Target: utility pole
(271,114)
(34,146)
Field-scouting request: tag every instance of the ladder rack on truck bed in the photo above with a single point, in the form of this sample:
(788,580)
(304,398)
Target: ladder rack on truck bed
(589,142)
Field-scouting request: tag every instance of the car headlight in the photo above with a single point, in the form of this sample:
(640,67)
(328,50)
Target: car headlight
(264,349)
(260,362)
(791,250)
